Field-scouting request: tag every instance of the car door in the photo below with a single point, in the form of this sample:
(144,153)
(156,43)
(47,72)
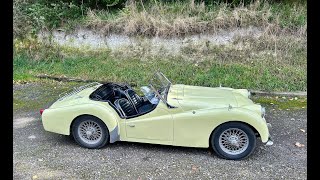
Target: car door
(155,125)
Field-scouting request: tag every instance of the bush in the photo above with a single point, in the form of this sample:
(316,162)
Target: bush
(52,15)
(32,15)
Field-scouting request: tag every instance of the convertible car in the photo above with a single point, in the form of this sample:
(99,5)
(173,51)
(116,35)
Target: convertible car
(224,119)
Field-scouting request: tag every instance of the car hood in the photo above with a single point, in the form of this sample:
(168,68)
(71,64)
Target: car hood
(197,97)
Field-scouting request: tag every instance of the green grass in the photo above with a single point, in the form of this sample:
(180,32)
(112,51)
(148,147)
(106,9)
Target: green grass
(105,66)
(285,103)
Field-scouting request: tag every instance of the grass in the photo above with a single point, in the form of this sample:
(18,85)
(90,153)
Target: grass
(184,18)
(275,61)
(256,65)
(283,103)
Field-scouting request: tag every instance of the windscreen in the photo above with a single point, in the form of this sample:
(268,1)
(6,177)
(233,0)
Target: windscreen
(161,84)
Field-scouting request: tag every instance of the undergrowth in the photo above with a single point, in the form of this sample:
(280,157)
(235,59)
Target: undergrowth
(158,18)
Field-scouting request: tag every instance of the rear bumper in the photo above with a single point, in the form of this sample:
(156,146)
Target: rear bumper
(270,141)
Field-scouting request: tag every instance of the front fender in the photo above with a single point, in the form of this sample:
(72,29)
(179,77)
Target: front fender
(249,117)
(203,122)
(58,120)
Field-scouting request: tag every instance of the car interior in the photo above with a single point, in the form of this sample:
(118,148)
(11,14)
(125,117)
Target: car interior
(123,99)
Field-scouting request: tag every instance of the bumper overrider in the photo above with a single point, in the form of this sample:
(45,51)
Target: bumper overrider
(269,142)
(263,113)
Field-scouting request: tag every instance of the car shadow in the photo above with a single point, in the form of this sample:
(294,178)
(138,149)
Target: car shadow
(159,147)
(69,141)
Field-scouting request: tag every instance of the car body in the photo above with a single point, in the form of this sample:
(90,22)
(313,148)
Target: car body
(183,116)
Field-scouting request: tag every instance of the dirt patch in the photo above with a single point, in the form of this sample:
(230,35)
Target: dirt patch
(22,122)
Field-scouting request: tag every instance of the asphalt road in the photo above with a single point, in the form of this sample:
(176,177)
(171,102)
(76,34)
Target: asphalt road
(38,154)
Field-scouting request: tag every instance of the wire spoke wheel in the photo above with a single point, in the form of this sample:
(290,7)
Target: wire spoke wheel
(233,141)
(90,132)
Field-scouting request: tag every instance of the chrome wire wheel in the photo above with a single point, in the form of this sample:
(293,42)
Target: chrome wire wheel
(90,132)
(233,141)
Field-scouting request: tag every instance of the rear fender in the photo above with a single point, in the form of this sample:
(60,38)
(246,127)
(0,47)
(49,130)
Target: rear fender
(59,120)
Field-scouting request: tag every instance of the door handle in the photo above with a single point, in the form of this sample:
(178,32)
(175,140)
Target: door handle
(131,125)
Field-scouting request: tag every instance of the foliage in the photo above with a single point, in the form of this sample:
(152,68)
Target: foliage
(155,17)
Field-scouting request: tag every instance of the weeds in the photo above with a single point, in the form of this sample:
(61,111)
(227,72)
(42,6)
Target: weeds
(181,18)
(159,18)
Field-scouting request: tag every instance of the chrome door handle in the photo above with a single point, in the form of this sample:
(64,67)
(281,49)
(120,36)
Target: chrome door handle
(131,125)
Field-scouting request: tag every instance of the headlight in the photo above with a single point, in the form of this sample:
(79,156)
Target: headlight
(263,111)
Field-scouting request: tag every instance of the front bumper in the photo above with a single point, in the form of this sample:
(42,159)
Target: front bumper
(269,142)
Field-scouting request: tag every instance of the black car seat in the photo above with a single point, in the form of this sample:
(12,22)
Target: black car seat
(134,98)
(119,93)
(104,92)
(125,107)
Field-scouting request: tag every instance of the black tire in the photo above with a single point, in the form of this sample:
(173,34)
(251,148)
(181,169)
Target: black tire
(224,128)
(103,138)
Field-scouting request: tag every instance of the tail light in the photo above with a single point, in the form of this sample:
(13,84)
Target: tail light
(41,111)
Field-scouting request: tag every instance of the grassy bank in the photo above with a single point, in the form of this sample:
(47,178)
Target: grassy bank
(265,63)
(275,61)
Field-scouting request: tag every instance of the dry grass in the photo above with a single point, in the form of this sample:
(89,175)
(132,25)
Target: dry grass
(180,19)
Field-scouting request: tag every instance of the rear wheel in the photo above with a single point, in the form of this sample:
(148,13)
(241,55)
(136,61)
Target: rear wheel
(233,140)
(90,132)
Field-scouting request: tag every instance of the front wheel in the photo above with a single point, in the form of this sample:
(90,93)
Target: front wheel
(233,140)
(90,132)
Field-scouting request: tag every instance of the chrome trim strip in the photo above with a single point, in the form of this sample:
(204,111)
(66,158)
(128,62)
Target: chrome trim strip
(76,90)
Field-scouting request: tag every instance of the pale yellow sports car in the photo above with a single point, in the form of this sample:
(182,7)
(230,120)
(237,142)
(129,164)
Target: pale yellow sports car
(221,118)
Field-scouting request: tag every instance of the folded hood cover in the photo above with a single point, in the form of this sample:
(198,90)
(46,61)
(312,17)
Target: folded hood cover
(198,97)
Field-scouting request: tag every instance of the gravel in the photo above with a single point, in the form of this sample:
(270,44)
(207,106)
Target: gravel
(38,154)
